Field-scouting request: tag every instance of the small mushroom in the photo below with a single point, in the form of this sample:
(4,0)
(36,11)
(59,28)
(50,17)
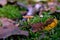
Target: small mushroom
(28,17)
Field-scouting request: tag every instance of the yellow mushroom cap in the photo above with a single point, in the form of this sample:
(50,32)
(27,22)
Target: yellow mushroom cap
(27,16)
(38,0)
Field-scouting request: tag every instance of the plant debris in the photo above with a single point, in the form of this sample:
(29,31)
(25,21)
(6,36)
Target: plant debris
(37,27)
(8,28)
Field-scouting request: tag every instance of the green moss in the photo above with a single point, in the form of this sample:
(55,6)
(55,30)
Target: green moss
(10,11)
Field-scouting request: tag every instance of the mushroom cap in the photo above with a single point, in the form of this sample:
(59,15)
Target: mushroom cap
(38,0)
(27,16)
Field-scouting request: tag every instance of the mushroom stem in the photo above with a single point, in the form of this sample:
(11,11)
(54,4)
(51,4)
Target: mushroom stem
(28,19)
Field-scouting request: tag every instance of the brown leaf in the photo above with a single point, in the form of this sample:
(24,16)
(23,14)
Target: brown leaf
(8,29)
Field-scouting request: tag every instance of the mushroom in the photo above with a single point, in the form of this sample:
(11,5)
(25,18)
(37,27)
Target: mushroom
(28,17)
